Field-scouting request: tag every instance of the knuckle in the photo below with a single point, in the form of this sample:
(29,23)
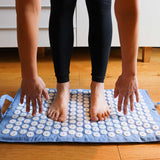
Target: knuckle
(44,85)
(40,101)
(127,93)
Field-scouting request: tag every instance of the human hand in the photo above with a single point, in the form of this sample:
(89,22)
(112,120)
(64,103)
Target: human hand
(125,87)
(33,89)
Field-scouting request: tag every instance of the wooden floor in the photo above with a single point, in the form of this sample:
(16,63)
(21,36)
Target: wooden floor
(10,80)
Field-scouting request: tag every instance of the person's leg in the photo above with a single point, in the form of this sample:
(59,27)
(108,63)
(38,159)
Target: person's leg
(61,41)
(100,36)
(61,36)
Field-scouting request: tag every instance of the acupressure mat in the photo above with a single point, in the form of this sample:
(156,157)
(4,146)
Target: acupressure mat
(142,125)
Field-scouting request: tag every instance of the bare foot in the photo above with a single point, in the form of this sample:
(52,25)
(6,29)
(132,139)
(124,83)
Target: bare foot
(59,108)
(99,107)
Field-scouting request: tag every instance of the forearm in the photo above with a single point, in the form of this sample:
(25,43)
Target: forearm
(127,15)
(28,12)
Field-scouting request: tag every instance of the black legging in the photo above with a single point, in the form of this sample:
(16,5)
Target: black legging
(61,36)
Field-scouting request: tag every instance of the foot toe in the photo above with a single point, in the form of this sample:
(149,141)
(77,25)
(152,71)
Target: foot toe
(108,112)
(49,113)
(104,117)
(100,117)
(93,116)
(56,116)
(62,117)
(52,115)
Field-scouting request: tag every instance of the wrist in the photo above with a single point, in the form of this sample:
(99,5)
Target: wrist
(129,70)
(29,76)
(129,74)
(129,67)
(29,72)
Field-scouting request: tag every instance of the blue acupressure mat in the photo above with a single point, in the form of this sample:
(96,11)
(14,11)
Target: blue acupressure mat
(142,125)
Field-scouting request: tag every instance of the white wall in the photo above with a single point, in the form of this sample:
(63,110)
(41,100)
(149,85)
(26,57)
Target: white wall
(149,24)
(149,27)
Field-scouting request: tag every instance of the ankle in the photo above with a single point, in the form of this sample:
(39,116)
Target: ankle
(97,85)
(63,86)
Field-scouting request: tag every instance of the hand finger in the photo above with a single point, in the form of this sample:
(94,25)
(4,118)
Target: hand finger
(120,99)
(125,105)
(137,95)
(40,104)
(34,108)
(131,102)
(21,97)
(116,92)
(44,86)
(45,94)
(27,104)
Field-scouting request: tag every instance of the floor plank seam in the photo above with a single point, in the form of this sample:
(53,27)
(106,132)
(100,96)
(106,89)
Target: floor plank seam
(119,153)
